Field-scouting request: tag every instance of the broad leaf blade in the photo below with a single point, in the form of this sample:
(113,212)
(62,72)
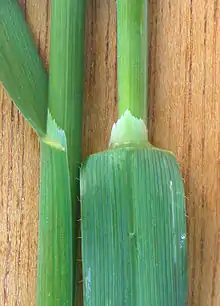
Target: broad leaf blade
(133,229)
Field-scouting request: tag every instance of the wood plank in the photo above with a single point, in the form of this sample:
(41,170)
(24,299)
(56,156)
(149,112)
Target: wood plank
(184,116)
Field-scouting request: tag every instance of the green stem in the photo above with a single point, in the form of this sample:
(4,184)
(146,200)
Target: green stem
(66,82)
(66,85)
(55,262)
(132,56)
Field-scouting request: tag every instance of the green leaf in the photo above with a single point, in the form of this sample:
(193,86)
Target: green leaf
(21,69)
(133,229)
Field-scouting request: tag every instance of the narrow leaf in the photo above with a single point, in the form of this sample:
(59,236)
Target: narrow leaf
(21,69)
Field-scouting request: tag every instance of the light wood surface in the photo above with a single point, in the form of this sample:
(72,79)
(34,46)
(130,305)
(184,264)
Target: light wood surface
(184,116)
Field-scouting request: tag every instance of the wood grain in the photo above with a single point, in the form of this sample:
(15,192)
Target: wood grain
(184,116)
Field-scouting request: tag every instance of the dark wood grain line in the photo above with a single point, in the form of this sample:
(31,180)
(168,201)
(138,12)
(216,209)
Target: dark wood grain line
(8,226)
(187,136)
(16,284)
(190,59)
(169,5)
(216,8)
(19,123)
(19,119)
(188,97)
(153,60)
(204,57)
(203,207)
(154,86)
(215,20)
(23,163)
(116,69)
(169,112)
(25,9)
(92,68)
(2,114)
(47,33)
(116,81)
(150,52)
(215,266)
(2,186)
(28,262)
(14,234)
(39,42)
(107,50)
(21,204)
(17,237)
(188,169)
(2,134)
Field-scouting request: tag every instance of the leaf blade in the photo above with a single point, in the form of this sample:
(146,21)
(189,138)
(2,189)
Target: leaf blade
(21,69)
(129,246)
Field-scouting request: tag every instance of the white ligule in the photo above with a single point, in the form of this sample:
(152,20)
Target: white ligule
(128,130)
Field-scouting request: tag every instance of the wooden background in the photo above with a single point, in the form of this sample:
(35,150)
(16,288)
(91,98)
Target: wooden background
(184,116)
